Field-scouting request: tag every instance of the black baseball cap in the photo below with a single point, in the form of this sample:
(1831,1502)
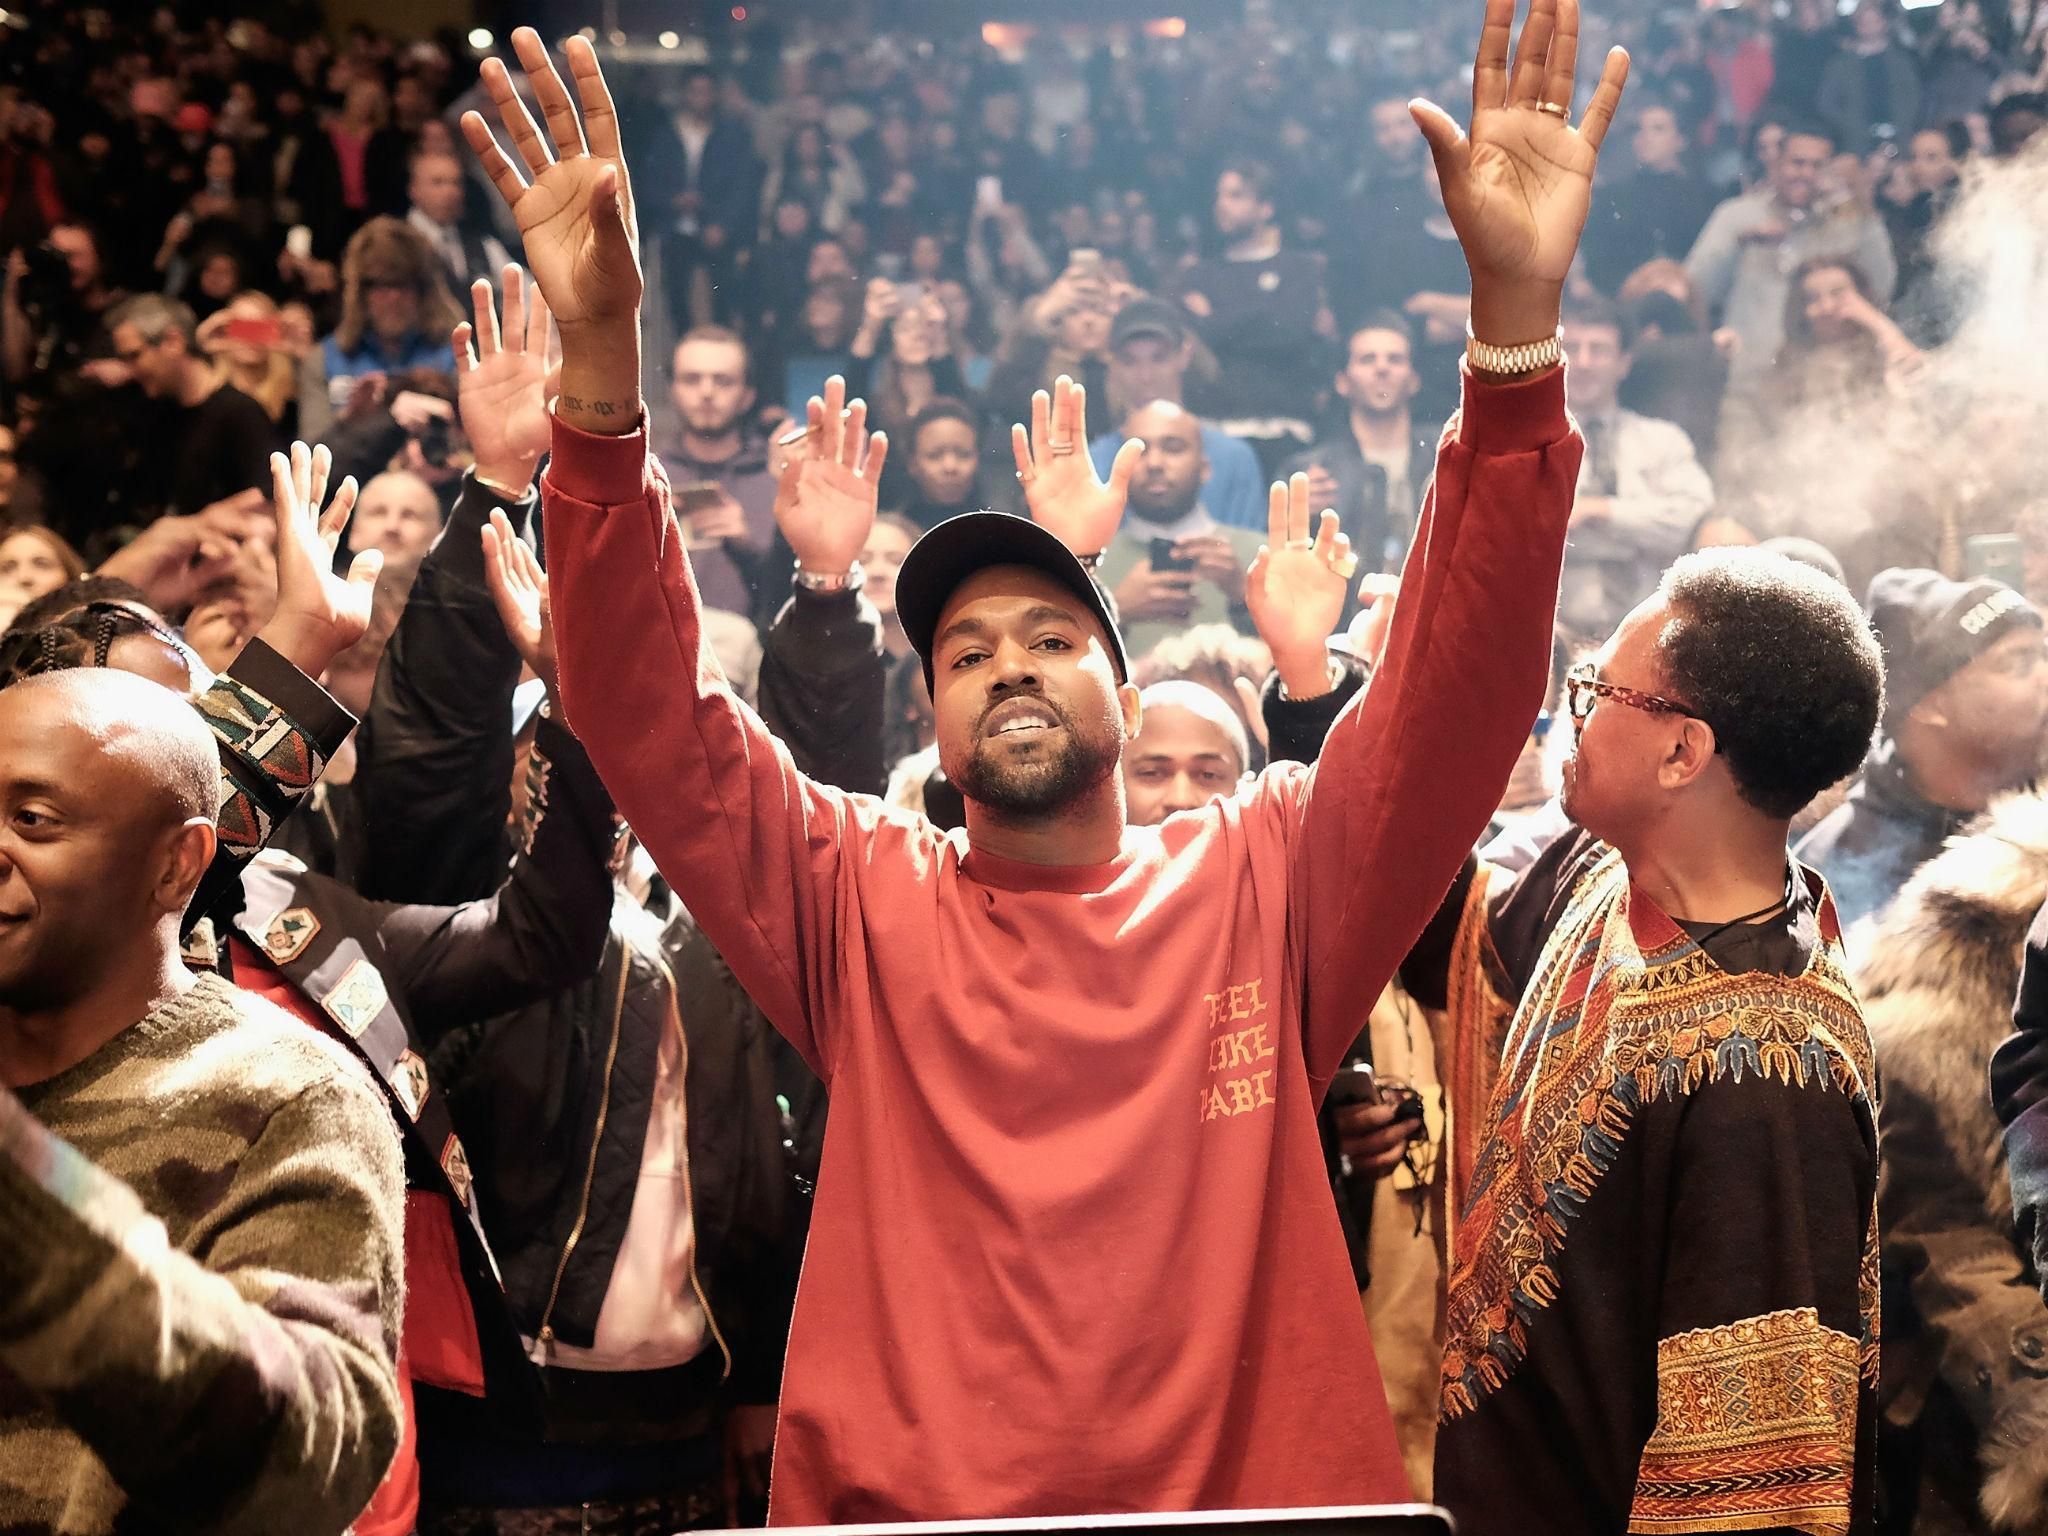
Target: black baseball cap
(1148,317)
(1931,628)
(945,557)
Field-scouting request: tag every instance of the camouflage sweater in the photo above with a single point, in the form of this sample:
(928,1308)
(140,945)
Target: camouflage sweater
(199,1281)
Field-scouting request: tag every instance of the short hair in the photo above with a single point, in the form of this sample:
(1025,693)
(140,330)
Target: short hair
(155,317)
(1213,655)
(431,152)
(1808,552)
(1255,174)
(722,335)
(1806,125)
(1594,309)
(1780,661)
(910,528)
(1652,102)
(944,408)
(83,225)
(165,739)
(1201,700)
(1381,320)
(1955,134)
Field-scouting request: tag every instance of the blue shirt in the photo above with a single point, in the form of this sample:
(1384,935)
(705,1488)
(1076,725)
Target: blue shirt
(1235,493)
(417,351)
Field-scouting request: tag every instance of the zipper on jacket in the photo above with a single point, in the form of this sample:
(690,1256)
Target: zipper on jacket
(544,1341)
(675,1014)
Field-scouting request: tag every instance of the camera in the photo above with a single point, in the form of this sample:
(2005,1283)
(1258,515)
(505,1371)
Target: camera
(436,440)
(45,286)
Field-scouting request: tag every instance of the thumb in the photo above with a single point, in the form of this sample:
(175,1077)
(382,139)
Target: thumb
(1445,139)
(365,568)
(608,212)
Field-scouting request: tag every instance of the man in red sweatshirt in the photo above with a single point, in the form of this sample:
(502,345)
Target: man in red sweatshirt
(1072,1250)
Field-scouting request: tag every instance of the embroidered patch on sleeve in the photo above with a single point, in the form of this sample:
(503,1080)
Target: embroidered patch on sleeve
(268,764)
(357,998)
(1756,1429)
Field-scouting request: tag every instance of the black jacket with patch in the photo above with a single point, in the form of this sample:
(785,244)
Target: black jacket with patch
(574,1076)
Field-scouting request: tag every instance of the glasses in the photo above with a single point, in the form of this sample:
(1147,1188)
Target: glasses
(1583,689)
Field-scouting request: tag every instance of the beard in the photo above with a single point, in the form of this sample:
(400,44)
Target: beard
(711,420)
(1050,779)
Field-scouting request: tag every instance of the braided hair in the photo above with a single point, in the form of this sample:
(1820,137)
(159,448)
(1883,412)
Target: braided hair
(78,624)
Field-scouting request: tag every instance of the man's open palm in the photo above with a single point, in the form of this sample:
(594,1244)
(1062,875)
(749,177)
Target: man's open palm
(1519,185)
(1297,586)
(1061,488)
(504,375)
(825,501)
(574,203)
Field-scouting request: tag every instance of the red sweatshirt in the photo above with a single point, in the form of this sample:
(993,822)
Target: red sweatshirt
(1074,1249)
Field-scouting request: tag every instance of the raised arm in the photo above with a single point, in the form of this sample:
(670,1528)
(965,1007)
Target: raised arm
(755,849)
(276,727)
(824,672)
(1412,771)
(434,762)
(543,929)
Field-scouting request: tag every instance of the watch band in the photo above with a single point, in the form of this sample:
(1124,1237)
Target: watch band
(1529,357)
(851,580)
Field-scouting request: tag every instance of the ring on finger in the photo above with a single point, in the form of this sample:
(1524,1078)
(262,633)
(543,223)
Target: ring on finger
(1061,449)
(1301,544)
(1556,109)
(1345,565)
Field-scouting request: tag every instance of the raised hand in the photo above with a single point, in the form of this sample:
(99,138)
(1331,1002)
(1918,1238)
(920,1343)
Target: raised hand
(504,382)
(319,614)
(520,589)
(575,217)
(176,558)
(825,500)
(1296,588)
(1519,185)
(1061,488)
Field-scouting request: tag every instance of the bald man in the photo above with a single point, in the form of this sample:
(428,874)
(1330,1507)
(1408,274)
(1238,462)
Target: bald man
(1190,748)
(398,513)
(1171,563)
(200,1199)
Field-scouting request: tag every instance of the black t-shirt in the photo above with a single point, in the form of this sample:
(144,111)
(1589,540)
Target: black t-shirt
(218,447)
(1262,327)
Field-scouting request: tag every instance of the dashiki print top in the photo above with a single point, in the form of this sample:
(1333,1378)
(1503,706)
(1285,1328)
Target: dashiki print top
(1663,1308)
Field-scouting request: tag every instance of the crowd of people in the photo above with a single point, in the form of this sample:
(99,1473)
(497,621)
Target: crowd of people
(681,806)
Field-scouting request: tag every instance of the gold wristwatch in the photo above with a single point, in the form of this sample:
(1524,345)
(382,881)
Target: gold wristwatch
(1530,357)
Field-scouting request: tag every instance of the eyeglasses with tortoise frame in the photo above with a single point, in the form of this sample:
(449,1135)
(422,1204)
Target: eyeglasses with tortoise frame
(1583,688)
